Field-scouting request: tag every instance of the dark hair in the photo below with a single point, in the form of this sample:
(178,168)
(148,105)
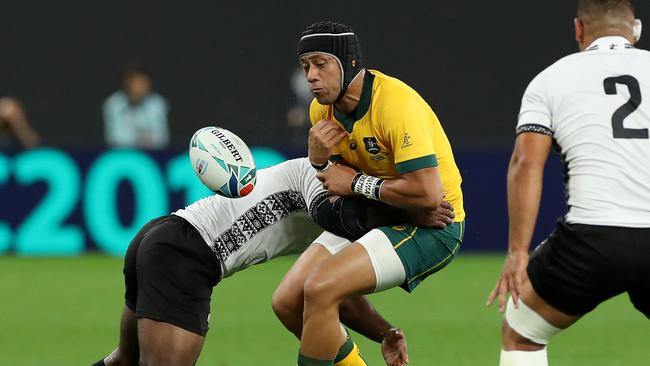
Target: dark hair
(135,68)
(587,8)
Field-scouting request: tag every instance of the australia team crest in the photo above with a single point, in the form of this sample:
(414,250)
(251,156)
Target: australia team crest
(371,145)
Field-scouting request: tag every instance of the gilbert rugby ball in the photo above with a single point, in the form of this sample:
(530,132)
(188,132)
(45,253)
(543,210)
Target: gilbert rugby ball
(223,162)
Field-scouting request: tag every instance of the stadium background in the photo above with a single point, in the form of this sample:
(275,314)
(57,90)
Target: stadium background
(228,63)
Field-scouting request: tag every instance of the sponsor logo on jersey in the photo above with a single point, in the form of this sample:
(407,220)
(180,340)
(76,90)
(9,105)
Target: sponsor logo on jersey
(407,141)
(371,145)
(378,157)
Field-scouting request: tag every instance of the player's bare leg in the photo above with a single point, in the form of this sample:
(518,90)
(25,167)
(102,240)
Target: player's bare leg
(356,312)
(128,351)
(349,272)
(164,344)
(519,349)
(288,298)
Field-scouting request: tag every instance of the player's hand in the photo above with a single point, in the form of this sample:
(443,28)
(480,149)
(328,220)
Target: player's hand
(323,136)
(512,278)
(437,219)
(337,179)
(394,349)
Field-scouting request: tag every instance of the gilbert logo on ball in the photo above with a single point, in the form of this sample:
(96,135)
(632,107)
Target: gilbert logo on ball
(223,162)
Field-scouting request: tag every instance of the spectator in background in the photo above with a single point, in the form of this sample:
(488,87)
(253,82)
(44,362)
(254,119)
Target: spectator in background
(14,126)
(300,98)
(136,116)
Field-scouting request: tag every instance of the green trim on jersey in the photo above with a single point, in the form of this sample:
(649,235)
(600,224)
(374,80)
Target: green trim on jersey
(423,251)
(348,120)
(428,161)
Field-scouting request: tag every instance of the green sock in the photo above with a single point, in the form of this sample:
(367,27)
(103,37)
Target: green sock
(308,361)
(345,350)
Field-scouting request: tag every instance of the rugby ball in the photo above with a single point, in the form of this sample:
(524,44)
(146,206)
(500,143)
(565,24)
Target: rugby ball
(223,162)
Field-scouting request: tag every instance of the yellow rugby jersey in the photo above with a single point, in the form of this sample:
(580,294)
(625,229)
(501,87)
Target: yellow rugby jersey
(393,131)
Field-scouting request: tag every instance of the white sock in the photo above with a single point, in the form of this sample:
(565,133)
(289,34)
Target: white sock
(524,358)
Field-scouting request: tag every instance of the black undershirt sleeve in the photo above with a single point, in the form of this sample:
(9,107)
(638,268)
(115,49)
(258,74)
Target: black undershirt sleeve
(353,217)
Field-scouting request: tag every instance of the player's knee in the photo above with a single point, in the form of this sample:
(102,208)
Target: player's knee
(320,291)
(287,305)
(513,341)
(524,329)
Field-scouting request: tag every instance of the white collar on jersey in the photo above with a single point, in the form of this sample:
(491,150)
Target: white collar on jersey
(612,43)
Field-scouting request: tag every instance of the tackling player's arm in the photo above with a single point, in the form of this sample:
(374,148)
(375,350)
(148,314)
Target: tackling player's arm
(357,313)
(353,217)
(525,174)
(420,189)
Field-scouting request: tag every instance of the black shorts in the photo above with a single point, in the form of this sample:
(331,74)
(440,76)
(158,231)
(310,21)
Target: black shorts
(580,266)
(169,273)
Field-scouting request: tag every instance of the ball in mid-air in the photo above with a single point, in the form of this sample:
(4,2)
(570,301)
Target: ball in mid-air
(223,162)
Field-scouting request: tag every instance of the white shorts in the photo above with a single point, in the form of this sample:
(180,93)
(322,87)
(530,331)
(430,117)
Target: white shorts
(389,270)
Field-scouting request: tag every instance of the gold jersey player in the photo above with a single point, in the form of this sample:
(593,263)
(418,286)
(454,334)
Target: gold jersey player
(382,127)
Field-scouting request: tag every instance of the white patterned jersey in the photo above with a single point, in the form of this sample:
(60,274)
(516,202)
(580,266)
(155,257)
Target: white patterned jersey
(269,222)
(596,106)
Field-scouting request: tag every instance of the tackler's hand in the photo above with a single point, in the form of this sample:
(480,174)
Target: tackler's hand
(394,349)
(437,219)
(337,179)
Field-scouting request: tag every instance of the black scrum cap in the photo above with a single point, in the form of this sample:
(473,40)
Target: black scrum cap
(337,40)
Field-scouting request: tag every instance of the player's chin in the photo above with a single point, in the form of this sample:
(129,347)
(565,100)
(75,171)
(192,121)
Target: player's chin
(324,99)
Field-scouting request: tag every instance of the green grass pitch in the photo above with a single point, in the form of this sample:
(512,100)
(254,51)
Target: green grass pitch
(65,311)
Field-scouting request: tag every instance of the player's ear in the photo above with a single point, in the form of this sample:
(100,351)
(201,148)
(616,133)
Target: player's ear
(637,28)
(580,31)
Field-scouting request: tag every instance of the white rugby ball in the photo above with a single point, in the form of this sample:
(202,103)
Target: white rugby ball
(223,162)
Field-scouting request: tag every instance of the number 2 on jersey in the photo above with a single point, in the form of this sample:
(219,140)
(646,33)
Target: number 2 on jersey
(626,109)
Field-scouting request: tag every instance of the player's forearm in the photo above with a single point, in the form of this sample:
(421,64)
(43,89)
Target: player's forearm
(403,193)
(524,194)
(359,315)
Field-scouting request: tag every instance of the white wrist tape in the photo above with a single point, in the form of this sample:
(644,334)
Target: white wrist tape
(367,185)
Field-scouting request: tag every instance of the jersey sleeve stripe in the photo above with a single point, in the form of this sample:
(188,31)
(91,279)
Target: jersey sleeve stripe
(428,161)
(533,127)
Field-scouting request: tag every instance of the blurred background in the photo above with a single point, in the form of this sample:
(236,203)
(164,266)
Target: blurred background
(100,99)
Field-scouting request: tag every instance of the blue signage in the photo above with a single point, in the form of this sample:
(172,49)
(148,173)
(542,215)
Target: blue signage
(57,202)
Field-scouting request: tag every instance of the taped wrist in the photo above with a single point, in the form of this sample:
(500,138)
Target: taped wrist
(367,185)
(320,167)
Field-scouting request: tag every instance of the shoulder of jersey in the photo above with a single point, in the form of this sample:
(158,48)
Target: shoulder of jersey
(570,60)
(393,85)
(559,66)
